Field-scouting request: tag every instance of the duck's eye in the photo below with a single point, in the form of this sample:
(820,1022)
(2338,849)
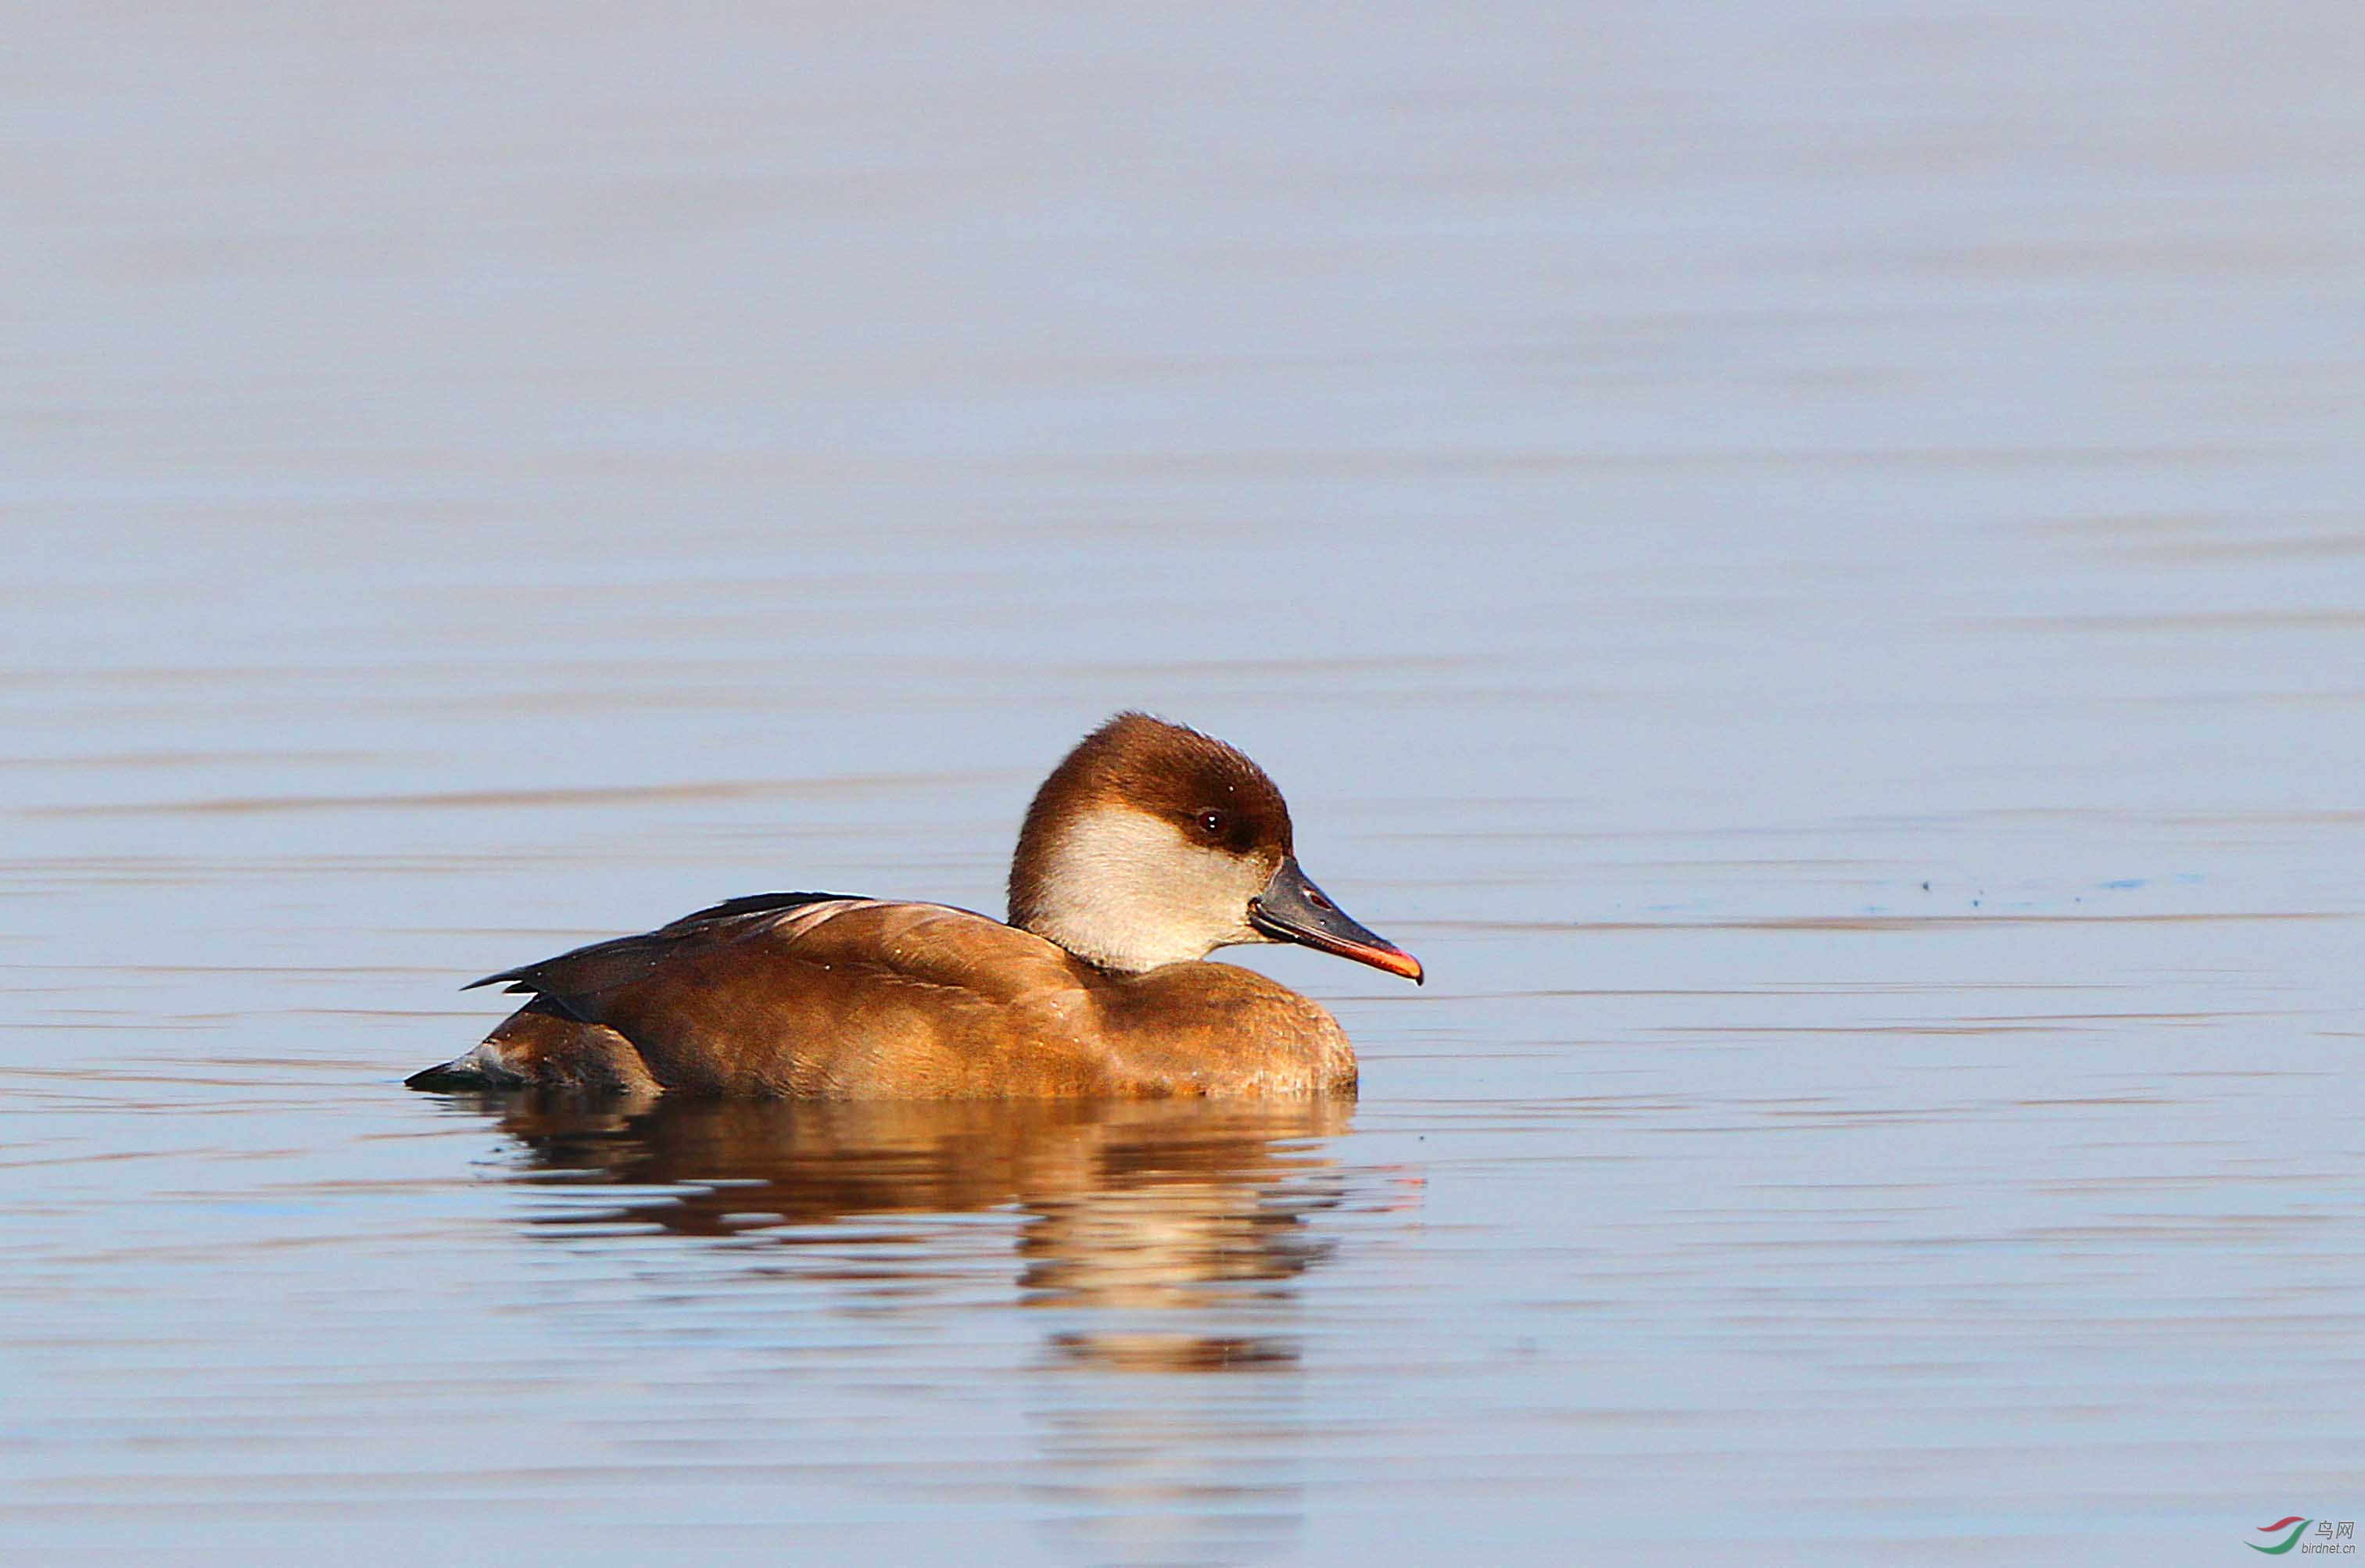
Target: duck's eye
(1211,823)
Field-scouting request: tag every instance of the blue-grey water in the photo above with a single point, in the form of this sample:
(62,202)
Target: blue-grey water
(1807,559)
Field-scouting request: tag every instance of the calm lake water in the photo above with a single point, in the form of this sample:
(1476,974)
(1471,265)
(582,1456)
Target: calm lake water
(1807,559)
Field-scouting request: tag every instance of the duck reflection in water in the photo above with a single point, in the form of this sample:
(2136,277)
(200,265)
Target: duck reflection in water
(1155,1209)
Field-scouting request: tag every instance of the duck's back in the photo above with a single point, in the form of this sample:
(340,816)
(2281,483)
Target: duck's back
(819,995)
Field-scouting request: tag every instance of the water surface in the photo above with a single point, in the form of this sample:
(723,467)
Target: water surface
(1809,562)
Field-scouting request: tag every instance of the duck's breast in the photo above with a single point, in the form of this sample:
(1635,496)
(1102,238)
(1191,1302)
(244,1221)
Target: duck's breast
(1219,1029)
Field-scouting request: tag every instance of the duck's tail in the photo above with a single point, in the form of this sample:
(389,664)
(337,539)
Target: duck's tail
(481,1069)
(538,1046)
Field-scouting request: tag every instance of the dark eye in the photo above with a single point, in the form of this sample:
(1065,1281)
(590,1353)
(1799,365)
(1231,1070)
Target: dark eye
(1211,823)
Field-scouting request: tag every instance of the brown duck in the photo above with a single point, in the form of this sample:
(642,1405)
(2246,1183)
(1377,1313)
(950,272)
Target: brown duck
(1147,848)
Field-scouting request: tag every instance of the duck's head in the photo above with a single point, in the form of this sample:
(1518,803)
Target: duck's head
(1153,844)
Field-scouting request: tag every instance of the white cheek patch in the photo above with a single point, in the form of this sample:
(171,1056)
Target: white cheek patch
(1126,890)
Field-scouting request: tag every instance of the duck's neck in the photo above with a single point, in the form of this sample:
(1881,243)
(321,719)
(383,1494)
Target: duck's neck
(1120,889)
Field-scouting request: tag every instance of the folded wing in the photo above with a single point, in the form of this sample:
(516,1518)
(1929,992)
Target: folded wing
(825,994)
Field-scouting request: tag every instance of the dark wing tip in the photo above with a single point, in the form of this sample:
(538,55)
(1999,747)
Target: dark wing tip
(753,904)
(602,964)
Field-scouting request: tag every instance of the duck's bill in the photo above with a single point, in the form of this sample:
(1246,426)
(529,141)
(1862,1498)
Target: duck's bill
(1292,909)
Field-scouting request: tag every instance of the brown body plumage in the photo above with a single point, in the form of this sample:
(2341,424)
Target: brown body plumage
(1149,846)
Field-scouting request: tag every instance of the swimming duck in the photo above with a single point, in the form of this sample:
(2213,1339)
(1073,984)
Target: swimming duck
(1148,847)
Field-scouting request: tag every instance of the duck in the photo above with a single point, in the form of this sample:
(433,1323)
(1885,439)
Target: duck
(1148,847)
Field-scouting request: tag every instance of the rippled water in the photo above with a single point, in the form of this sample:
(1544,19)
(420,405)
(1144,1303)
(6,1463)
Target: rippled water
(1808,560)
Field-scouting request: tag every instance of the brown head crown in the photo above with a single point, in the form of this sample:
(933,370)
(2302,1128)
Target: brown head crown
(1130,832)
(1152,843)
